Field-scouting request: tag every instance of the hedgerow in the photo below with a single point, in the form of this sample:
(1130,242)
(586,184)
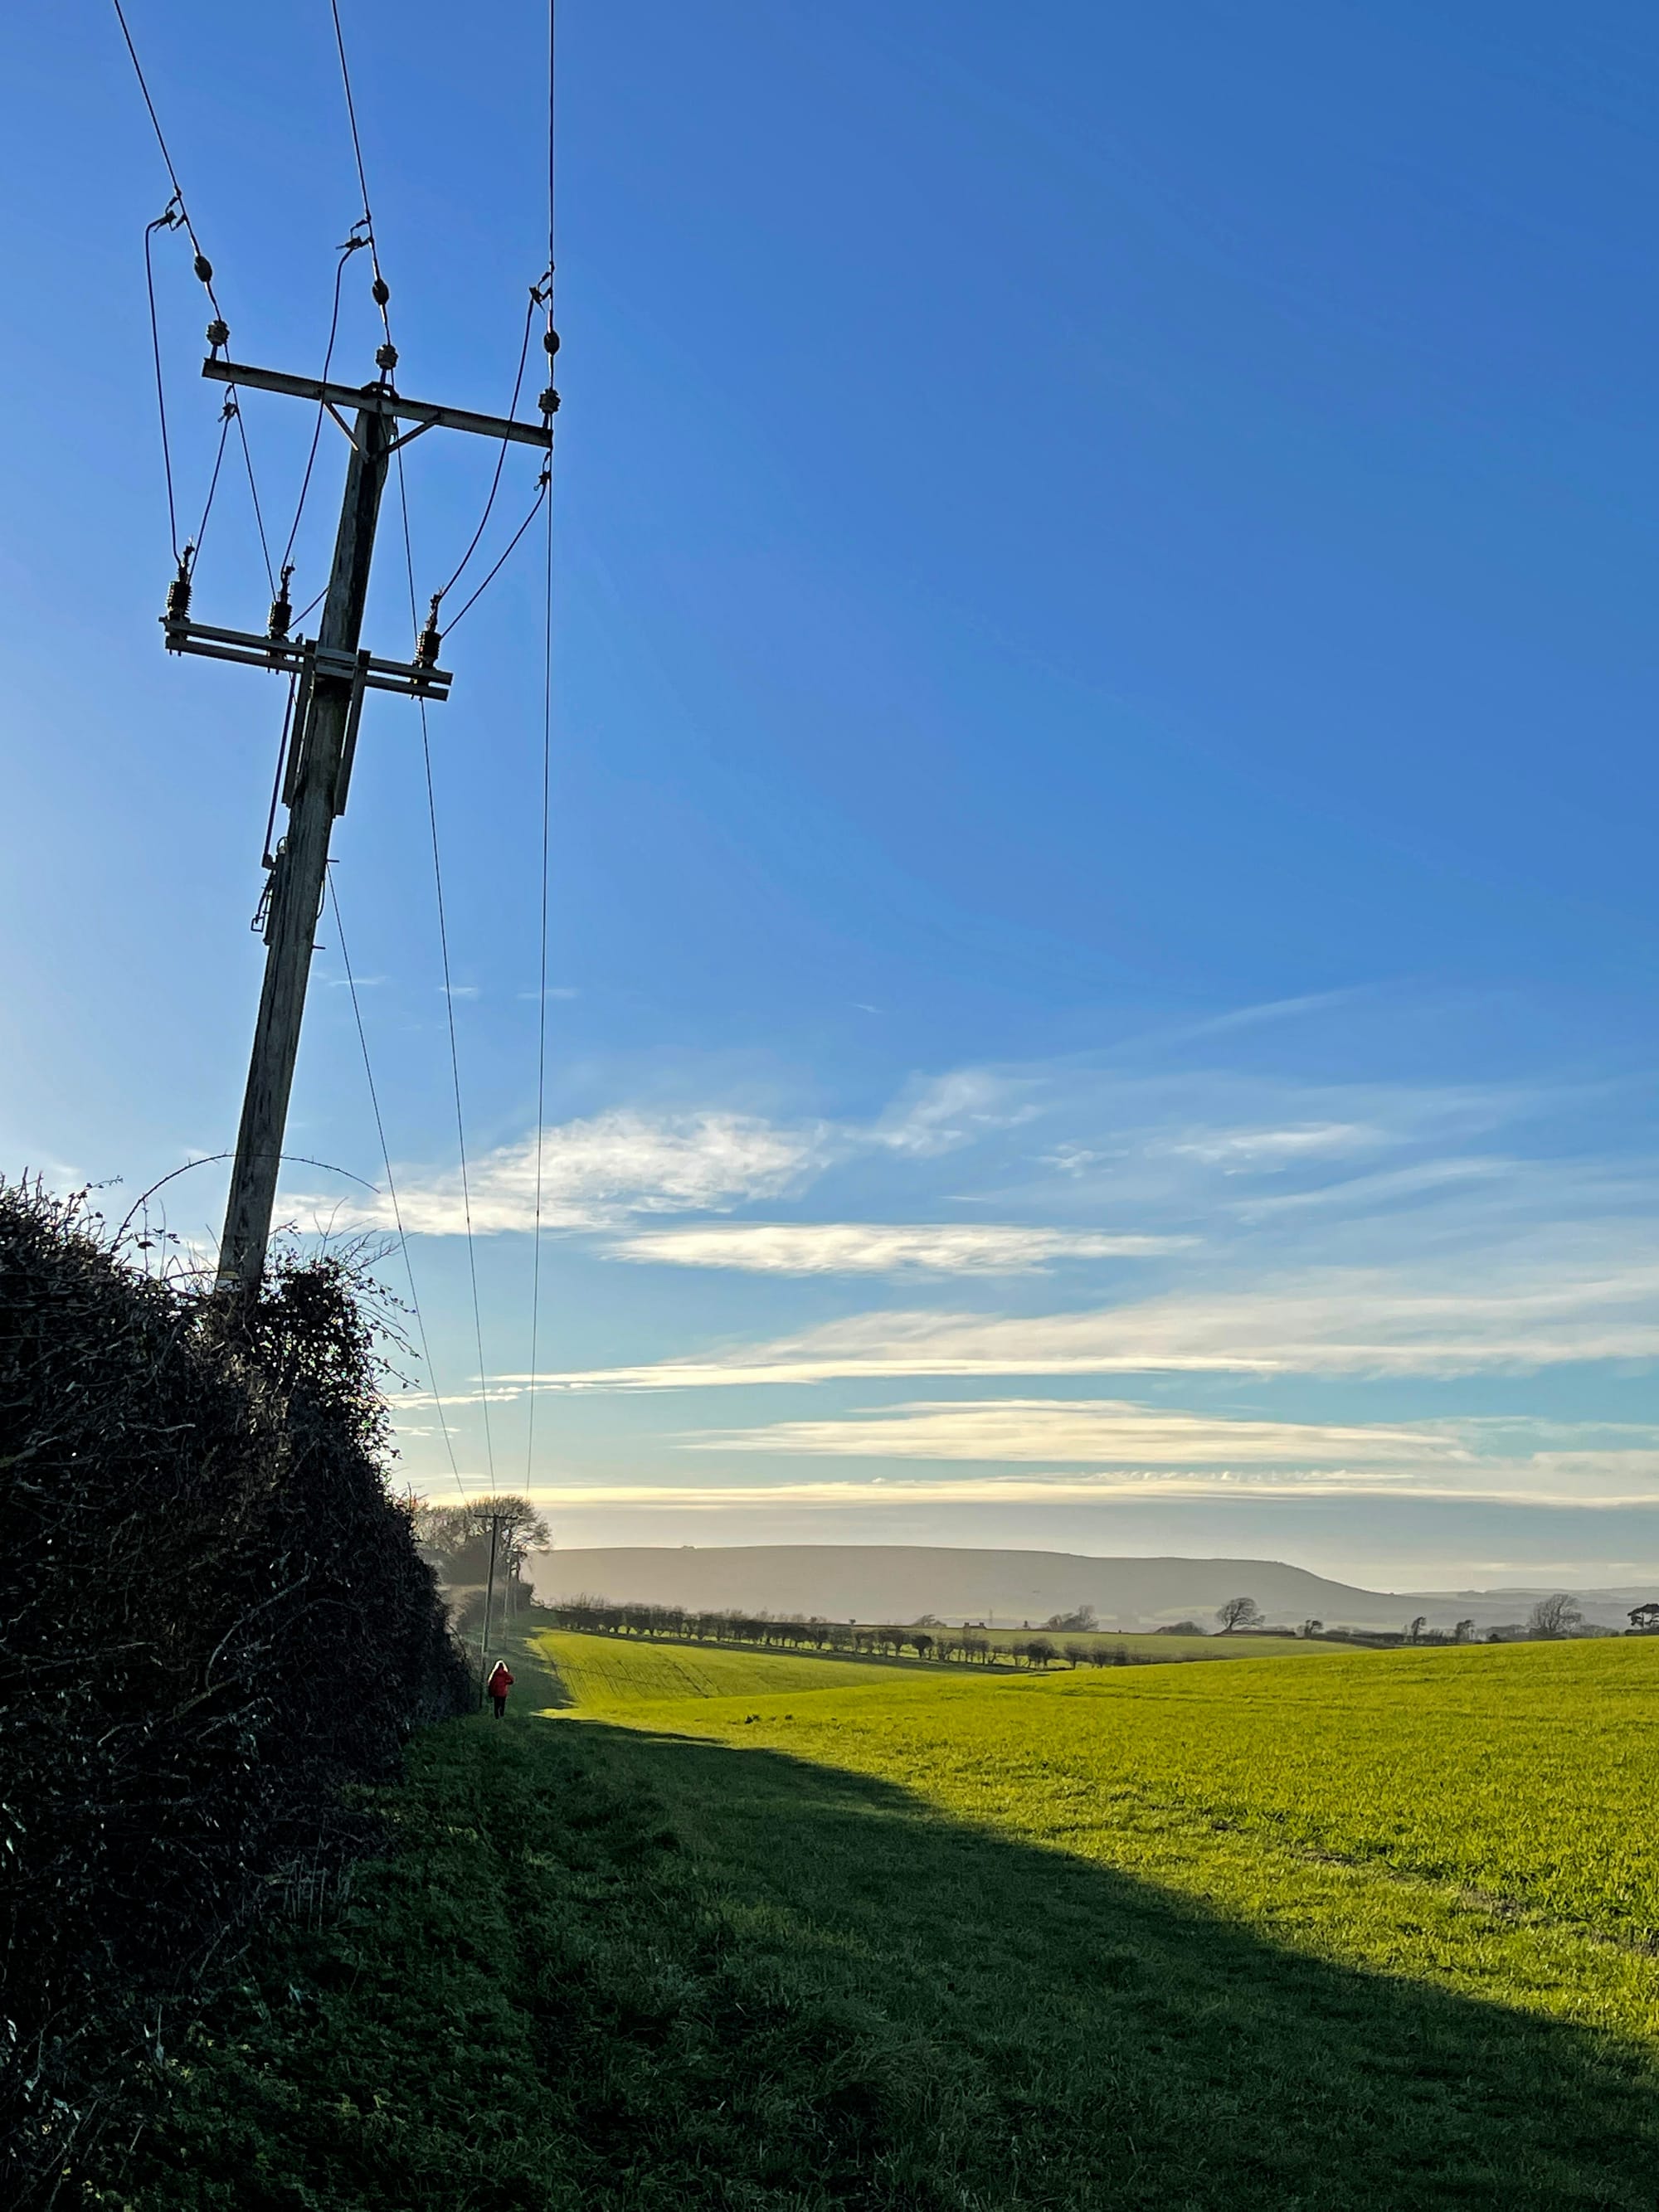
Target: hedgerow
(214,1623)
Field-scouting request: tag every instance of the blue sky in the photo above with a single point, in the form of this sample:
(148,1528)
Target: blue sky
(1102,916)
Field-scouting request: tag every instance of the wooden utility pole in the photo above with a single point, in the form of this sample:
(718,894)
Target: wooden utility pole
(330,674)
(490,1594)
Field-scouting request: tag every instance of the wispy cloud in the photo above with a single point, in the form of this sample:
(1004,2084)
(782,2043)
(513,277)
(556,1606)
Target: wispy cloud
(1102,1431)
(1609,1482)
(1276,1148)
(595,1173)
(947,1112)
(857,1248)
(1511,1310)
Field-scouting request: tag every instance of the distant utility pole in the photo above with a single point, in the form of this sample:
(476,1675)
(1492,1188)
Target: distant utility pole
(330,674)
(490,1594)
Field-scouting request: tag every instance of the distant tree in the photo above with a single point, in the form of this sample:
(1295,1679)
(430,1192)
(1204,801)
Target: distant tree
(1645,1619)
(1238,1613)
(1181,1628)
(1313,1627)
(1414,1628)
(1076,1654)
(926,1620)
(1464,1633)
(1040,1652)
(1555,1617)
(458,1535)
(1083,1617)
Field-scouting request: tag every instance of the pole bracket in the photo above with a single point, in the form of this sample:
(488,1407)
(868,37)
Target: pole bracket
(301,655)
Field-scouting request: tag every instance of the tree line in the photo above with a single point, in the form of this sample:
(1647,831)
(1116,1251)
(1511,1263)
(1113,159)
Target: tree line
(929,1639)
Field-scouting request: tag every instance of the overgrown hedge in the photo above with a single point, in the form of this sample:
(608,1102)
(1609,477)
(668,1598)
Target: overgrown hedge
(213,1620)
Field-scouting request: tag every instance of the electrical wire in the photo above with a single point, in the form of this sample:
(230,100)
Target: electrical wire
(547,793)
(345,253)
(449,1005)
(382,290)
(541,998)
(204,269)
(381,294)
(269,860)
(543,481)
(228,410)
(253,493)
(547,761)
(494,481)
(163,222)
(392,1187)
(161,140)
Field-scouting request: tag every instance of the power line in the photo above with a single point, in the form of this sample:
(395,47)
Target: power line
(345,254)
(163,222)
(254,491)
(178,209)
(541,994)
(380,290)
(225,414)
(437,597)
(161,140)
(449,1007)
(544,482)
(381,293)
(392,1187)
(547,786)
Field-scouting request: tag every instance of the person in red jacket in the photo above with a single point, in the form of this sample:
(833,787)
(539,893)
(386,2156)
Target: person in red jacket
(498,1685)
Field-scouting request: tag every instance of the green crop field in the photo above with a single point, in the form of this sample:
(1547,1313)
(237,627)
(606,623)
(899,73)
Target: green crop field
(610,1672)
(1256,1938)
(1526,1771)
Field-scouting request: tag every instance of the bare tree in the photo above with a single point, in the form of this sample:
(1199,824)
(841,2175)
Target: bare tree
(1238,1613)
(1464,1631)
(1313,1628)
(1644,1620)
(1414,1628)
(1553,1618)
(1082,1617)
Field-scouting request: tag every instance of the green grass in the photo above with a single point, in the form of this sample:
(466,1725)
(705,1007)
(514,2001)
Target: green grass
(1259,1937)
(610,1672)
(1525,1772)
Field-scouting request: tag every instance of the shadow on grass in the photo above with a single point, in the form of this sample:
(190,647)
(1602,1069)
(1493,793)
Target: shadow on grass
(608,1971)
(1121,2046)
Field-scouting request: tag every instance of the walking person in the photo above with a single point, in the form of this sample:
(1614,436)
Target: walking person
(498,1685)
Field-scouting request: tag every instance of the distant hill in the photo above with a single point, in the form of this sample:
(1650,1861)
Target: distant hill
(898,1582)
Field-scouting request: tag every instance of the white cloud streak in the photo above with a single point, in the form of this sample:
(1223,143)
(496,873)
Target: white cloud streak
(856,1248)
(1109,1430)
(1605,1482)
(1540,1311)
(1235,1149)
(596,1172)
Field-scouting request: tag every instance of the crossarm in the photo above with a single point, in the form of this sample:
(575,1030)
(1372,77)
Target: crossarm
(379,400)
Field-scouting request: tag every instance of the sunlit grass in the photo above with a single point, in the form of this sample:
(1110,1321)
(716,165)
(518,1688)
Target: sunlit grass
(1480,1816)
